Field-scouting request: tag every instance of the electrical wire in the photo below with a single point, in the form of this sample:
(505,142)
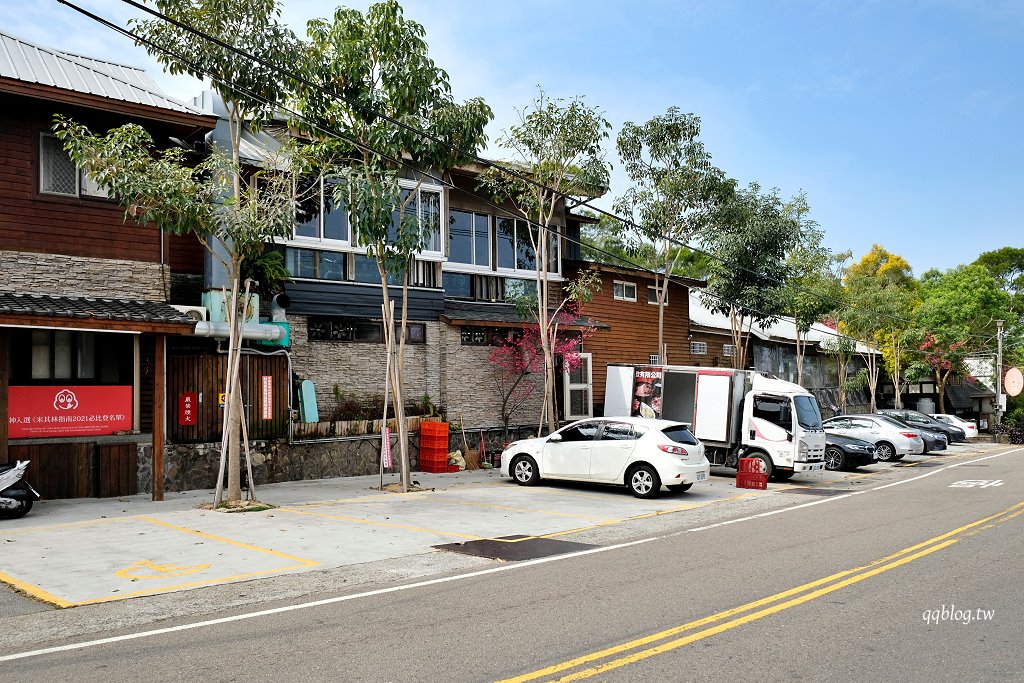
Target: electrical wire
(488,163)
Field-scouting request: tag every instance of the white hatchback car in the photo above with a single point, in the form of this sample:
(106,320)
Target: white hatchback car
(638,452)
(970,429)
(892,440)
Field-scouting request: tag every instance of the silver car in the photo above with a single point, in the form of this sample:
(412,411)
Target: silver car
(892,442)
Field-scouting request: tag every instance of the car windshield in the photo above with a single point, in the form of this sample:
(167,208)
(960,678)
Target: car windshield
(807,413)
(894,421)
(680,434)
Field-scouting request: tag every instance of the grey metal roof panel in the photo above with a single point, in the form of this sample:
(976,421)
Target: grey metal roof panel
(90,308)
(25,61)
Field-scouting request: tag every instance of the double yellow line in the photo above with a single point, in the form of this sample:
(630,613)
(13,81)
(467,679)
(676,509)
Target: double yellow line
(671,639)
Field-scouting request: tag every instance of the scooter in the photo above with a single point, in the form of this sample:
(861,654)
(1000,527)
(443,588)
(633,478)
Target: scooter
(15,500)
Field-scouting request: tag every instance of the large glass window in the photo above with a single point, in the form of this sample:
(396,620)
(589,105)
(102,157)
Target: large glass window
(469,238)
(315,265)
(51,356)
(515,246)
(422,212)
(317,215)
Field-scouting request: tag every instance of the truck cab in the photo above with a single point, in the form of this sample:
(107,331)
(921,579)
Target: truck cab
(782,420)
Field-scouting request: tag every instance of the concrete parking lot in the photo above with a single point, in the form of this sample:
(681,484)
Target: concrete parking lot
(79,552)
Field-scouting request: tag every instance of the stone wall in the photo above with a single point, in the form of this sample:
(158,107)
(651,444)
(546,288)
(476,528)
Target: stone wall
(358,368)
(31,273)
(194,466)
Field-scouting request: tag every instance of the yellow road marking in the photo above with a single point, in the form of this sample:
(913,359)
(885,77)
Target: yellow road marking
(138,569)
(854,575)
(34,591)
(393,525)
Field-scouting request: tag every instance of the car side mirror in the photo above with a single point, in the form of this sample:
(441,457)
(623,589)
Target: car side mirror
(555,438)
(789,435)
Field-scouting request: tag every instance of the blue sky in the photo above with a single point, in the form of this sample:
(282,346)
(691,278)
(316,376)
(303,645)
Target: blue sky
(900,120)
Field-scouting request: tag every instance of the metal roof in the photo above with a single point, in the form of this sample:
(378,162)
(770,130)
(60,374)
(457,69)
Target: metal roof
(24,61)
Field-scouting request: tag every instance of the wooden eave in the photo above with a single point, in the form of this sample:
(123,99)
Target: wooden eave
(76,323)
(99,103)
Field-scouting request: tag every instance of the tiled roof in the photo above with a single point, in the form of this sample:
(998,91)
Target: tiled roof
(24,61)
(90,308)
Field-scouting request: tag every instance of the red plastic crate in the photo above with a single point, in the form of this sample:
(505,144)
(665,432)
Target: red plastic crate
(751,480)
(434,468)
(434,429)
(749,466)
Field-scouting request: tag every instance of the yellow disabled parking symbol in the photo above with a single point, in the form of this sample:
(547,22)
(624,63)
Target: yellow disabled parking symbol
(147,569)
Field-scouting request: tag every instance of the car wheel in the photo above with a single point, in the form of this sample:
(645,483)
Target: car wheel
(643,481)
(680,488)
(524,470)
(834,459)
(885,451)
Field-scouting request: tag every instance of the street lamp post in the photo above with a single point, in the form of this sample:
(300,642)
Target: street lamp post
(999,372)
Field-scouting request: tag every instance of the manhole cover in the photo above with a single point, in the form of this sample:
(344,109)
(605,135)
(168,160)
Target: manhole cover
(819,492)
(513,548)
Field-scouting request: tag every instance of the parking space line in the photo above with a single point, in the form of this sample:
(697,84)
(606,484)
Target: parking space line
(511,508)
(238,544)
(69,525)
(393,525)
(34,591)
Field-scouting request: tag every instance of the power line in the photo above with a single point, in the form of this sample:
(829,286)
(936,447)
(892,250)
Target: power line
(489,163)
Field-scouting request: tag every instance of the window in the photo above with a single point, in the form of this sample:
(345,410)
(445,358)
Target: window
(483,336)
(624,291)
(698,348)
(469,240)
(652,295)
(70,356)
(654,359)
(515,239)
(581,432)
(361,331)
(315,265)
(318,216)
(58,174)
(616,431)
(776,411)
(728,350)
(420,210)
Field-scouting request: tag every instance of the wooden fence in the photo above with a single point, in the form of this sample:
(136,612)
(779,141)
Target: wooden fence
(199,379)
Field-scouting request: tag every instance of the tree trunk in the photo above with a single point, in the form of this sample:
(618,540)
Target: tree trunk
(800,350)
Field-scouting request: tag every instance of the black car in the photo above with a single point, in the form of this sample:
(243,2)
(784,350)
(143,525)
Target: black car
(845,451)
(934,440)
(919,420)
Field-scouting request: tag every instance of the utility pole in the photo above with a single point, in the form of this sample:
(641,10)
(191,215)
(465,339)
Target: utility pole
(999,372)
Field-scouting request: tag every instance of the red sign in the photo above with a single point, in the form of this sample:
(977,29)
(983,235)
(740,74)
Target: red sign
(268,397)
(68,411)
(385,447)
(187,409)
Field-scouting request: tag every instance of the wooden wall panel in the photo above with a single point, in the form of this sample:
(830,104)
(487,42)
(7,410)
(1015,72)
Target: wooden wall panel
(118,468)
(64,470)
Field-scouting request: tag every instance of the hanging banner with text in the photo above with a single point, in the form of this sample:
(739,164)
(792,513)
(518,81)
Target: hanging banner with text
(268,398)
(385,448)
(68,411)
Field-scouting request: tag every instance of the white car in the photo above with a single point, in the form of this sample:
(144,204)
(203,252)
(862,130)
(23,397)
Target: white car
(892,441)
(638,452)
(970,429)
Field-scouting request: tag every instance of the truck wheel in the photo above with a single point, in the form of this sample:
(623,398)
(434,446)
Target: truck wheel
(643,481)
(783,475)
(524,470)
(885,451)
(766,464)
(680,488)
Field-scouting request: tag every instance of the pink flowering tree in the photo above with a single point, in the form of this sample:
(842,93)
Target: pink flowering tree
(946,359)
(514,359)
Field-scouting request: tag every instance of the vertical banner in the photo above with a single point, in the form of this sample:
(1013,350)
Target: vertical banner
(268,397)
(385,447)
(187,409)
(647,388)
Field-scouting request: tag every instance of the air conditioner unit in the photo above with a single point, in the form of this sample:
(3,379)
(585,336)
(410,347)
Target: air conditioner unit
(197,313)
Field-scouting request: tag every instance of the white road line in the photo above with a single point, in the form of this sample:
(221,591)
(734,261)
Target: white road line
(457,577)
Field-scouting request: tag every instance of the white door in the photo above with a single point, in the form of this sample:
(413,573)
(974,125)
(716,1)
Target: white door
(611,453)
(578,390)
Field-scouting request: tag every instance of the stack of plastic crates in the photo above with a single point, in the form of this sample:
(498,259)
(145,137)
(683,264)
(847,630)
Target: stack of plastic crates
(434,448)
(750,474)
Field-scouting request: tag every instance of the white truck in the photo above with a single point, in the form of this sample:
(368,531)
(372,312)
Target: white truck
(735,413)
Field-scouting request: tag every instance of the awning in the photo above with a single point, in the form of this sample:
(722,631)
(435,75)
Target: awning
(488,314)
(88,313)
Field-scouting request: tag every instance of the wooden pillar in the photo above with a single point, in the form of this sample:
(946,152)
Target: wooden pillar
(159,387)
(5,376)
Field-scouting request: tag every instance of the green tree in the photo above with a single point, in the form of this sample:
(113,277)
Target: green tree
(880,291)
(747,269)
(557,154)
(842,349)
(675,194)
(163,188)
(815,284)
(251,92)
(958,312)
(368,71)
(1007,266)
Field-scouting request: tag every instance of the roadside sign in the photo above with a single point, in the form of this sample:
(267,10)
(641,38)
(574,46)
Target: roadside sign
(1014,381)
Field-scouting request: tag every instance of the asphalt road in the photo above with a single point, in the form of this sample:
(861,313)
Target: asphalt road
(878,583)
